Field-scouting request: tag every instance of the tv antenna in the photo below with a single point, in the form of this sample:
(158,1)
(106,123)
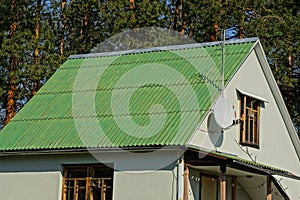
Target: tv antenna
(223,109)
(223,62)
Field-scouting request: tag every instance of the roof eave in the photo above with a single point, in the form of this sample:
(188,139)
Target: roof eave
(91,150)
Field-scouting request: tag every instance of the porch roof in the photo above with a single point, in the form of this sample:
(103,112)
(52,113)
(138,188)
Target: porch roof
(235,161)
(218,161)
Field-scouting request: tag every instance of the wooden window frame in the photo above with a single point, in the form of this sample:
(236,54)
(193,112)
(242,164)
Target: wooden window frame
(250,121)
(104,184)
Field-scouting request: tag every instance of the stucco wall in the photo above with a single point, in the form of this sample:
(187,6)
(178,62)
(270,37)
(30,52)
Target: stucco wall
(139,176)
(275,146)
(29,185)
(145,185)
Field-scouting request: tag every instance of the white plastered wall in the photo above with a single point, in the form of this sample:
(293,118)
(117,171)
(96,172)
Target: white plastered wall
(275,146)
(139,176)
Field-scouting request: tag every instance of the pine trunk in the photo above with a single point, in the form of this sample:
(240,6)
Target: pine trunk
(176,14)
(132,8)
(36,51)
(182,16)
(63,27)
(215,29)
(214,36)
(13,60)
(83,33)
(241,28)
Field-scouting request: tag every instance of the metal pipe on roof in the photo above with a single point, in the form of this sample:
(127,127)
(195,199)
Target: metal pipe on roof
(223,62)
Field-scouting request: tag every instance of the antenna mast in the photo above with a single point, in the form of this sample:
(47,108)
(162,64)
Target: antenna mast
(223,61)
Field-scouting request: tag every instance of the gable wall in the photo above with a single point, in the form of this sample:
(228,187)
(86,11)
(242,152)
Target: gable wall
(275,148)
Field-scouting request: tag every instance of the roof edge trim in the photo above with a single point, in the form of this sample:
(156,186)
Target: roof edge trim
(278,97)
(162,48)
(21,152)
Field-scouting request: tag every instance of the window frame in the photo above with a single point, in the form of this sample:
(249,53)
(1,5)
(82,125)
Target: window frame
(90,170)
(250,121)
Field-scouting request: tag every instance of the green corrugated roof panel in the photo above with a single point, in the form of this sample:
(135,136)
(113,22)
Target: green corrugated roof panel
(127,99)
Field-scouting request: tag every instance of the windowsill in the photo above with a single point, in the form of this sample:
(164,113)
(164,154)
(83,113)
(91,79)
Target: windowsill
(250,144)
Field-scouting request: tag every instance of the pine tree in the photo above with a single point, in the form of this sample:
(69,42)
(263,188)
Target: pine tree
(37,36)
(36,80)
(63,4)
(276,24)
(12,65)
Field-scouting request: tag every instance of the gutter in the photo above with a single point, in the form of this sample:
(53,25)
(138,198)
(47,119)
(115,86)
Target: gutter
(90,150)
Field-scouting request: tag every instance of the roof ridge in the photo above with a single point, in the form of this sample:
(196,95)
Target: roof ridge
(162,48)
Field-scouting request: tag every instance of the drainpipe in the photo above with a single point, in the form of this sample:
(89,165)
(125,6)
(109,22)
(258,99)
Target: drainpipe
(180,179)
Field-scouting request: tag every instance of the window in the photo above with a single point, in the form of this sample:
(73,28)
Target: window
(250,111)
(87,182)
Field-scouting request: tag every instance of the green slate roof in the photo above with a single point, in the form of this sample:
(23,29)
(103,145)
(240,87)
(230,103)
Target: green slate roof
(150,97)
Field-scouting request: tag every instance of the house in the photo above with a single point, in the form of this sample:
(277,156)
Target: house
(159,123)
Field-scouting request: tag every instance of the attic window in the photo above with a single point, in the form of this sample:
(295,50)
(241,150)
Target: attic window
(250,114)
(83,182)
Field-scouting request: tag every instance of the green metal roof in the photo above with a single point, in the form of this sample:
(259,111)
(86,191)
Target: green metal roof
(148,97)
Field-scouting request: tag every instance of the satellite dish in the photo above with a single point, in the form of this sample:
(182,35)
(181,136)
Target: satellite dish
(223,113)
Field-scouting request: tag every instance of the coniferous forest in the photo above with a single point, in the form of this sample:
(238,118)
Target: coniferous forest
(37,36)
